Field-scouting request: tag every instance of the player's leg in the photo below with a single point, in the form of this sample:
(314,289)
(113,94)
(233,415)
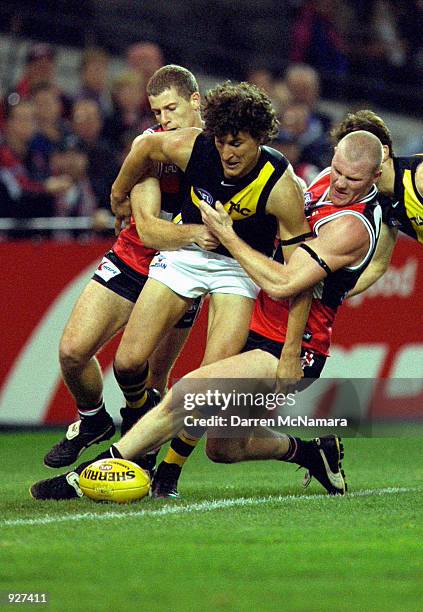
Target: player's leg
(170,292)
(97,315)
(321,457)
(164,356)
(228,323)
(160,365)
(167,418)
(156,311)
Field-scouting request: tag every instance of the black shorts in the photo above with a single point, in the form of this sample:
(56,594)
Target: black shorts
(311,362)
(120,278)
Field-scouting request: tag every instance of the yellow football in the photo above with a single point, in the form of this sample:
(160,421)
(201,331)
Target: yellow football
(115,480)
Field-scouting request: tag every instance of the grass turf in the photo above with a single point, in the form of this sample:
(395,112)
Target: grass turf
(271,547)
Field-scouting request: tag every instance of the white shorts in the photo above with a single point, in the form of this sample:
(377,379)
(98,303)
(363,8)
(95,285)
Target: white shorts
(192,272)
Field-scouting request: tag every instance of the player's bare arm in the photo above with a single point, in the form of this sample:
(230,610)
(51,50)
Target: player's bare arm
(159,233)
(380,261)
(342,242)
(286,202)
(171,147)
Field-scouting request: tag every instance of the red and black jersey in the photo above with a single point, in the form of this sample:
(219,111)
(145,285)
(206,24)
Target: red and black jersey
(128,246)
(270,316)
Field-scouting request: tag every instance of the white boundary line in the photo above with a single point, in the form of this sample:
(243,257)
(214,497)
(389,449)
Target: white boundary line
(205,506)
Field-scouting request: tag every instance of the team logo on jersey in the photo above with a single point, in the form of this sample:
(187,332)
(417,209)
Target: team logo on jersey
(236,206)
(202,194)
(170,169)
(107,269)
(159,261)
(307,360)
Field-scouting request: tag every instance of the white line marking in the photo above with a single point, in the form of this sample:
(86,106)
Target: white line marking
(205,506)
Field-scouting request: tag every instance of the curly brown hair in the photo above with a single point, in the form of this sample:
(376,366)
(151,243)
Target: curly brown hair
(231,108)
(364,120)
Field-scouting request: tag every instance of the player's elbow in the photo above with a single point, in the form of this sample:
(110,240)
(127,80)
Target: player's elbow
(146,235)
(280,289)
(142,141)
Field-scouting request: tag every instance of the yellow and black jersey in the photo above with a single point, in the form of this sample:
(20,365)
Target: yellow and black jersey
(244,199)
(405,209)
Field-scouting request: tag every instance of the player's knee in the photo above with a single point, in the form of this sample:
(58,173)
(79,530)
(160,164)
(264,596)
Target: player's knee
(126,365)
(72,355)
(220,452)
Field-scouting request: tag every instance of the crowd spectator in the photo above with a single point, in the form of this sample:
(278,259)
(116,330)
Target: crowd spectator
(318,36)
(79,199)
(22,195)
(289,146)
(87,126)
(40,68)
(51,129)
(126,121)
(94,74)
(144,58)
(303,83)
(307,148)
(263,78)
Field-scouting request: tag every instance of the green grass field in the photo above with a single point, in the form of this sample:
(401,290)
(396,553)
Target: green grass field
(243,537)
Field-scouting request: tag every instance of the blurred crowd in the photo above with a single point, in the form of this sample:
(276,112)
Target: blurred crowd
(60,151)
(59,154)
(372,38)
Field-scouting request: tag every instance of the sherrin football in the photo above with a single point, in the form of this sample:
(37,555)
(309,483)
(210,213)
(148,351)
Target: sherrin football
(115,480)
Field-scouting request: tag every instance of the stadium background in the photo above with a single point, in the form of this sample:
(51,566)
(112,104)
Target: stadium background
(377,335)
(242,537)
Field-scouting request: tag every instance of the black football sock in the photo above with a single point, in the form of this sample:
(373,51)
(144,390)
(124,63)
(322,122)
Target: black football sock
(299,451)
(133,387)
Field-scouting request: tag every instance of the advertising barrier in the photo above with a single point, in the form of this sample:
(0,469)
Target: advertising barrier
(378,336)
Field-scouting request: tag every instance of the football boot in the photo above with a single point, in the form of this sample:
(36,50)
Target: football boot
(65,486)
(323,462)
(165,481)
(80,436)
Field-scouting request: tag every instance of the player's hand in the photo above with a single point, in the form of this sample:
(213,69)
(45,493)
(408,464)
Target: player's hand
(205,239)
(289,373)
(118,200)
(217,220)
(122,211)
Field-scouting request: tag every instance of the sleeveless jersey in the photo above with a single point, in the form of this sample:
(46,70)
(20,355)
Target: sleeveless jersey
(244,199)
(270,317)
(128,246)
(405,209)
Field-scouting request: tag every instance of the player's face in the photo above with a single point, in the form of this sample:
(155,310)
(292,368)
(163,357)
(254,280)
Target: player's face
(349,181)
(238,154)
(173,111)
